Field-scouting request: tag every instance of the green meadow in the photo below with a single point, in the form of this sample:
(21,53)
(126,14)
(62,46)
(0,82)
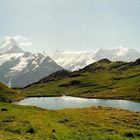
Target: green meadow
(94,123)
(99,80)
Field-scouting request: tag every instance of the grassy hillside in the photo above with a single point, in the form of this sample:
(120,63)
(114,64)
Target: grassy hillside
(8,95)
(103,79)
(95,123)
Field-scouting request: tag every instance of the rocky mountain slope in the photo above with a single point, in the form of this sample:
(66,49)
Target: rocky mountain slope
(19,68)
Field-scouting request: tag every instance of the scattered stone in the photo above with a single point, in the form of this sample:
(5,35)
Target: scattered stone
(63,121)
(66,120)
(129,134)
(7,121)
(31,130)
(4,109)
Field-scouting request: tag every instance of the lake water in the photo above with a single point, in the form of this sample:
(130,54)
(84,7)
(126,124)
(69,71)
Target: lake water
(63,102)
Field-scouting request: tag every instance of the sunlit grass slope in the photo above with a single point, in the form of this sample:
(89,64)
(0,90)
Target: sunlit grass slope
(95,123)
(8,95)
(103,79)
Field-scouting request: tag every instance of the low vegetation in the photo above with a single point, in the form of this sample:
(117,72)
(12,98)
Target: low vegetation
(103,79)
(9,95)
(95,123)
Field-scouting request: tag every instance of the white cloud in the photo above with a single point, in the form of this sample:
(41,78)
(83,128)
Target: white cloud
(25,44)
(21,41)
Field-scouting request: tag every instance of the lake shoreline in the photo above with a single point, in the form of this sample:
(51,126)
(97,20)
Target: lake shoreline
(62,102)
(136,99)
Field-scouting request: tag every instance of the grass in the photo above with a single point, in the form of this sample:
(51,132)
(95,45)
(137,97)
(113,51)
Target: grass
(9,95)
(95,123)
(99,80)
(107,84)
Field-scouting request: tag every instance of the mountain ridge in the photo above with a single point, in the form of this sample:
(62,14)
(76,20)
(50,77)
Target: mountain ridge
(19,68)
(103,79)
(94,67)
(77,60)
(9,45)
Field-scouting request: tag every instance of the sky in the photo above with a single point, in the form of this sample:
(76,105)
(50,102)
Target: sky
(71,25)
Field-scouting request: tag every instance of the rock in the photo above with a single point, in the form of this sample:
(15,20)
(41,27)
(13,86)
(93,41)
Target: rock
(4,109)
(129,134)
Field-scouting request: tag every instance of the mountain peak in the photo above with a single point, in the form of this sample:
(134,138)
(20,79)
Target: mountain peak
(137,62)
(9,45)
(105,60)
(78,60)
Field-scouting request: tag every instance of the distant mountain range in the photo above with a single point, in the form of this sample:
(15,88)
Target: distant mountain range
(19,68)
(77,60)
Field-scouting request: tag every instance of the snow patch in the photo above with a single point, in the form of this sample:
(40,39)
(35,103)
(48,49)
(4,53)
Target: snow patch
(77,60)
(8,57)
(122,51)
(21,65)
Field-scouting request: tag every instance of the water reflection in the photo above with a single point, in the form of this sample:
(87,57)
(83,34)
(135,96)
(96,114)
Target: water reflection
(74,102)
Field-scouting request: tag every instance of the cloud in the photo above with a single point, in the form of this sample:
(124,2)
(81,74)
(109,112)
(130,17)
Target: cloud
(21,41)
(25,44)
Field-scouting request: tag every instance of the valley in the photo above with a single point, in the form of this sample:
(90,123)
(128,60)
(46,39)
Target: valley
(103,79)
(69,70)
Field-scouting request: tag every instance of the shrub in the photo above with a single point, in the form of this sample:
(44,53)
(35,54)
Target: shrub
(129,134)
(31,130)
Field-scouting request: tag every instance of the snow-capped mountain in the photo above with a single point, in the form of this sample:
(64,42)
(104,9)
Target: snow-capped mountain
(10,46)
(118,54)
(19,68)
(77,60)
(73,60)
